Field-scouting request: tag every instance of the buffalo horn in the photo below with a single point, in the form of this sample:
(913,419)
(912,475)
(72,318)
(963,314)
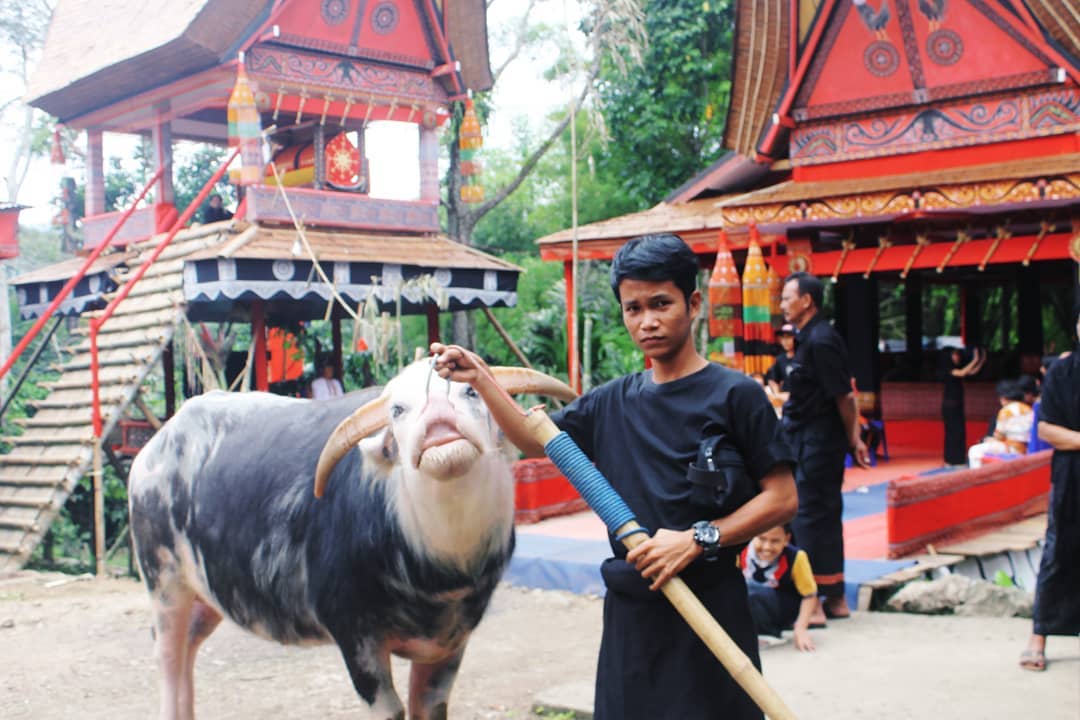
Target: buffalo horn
(372,417)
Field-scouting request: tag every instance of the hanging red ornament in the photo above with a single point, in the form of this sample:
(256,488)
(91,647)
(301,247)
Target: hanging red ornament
(56,152)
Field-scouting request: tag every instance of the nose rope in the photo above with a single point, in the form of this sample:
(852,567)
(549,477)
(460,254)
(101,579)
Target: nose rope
(427,385)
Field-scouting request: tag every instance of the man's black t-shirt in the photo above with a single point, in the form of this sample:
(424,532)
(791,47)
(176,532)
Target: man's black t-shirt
(780,371)
(819,374)
(643,437)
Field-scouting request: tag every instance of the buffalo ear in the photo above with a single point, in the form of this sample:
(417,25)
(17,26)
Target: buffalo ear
(380,450)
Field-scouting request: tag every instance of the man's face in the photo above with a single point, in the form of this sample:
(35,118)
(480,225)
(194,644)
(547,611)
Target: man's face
(215,201)
(793,304)
(787,341)
(657,316)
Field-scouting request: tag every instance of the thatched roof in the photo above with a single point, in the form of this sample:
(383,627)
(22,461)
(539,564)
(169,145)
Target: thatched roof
(99,51)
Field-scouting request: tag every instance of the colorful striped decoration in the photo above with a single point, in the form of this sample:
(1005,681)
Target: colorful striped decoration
(245,129)
(757,309)
(470,141)
(725,308)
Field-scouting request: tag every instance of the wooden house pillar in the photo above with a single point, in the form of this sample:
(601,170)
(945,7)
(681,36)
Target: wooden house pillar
(319,147)
(335,334)
(857,321)
(161,142)
(970,324)
(1029,316)
(258,337)
(95,173)
(432,323)
(429,164)
(168,365)
(913,324)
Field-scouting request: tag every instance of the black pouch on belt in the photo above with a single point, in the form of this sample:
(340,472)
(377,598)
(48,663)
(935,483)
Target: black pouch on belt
(718,477)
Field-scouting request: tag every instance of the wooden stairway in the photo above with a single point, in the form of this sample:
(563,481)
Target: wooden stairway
(56,448)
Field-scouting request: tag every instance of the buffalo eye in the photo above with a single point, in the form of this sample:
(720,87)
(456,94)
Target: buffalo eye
(470,392)
(396,411)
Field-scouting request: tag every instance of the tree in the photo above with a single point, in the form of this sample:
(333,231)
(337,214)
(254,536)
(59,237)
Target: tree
(22,33)
(666,119)
(612,29)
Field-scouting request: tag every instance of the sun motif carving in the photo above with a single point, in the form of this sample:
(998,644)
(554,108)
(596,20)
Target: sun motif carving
(341,161)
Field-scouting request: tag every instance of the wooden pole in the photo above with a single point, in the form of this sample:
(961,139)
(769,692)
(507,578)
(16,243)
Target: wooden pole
(335,334)
(258,339)
(99,511)
(168,365)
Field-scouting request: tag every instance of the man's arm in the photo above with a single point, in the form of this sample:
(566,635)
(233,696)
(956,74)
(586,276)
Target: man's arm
(458,364)
(1060,438)
(849,413)
(668,552)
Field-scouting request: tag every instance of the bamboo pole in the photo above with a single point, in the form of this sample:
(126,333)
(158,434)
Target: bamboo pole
(99,512)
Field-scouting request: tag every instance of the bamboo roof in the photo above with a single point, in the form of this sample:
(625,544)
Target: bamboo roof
(1061,21)
(330,246)
(700,214)
(466,28)
(65,269)
(794,191)
(84,67)
(759,71)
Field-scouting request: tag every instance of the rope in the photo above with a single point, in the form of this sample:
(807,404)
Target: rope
(588,481)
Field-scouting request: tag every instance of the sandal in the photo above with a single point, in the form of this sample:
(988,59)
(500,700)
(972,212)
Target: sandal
(1033,660)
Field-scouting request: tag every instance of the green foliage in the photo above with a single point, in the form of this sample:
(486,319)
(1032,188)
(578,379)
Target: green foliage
(666,118)
(190,175)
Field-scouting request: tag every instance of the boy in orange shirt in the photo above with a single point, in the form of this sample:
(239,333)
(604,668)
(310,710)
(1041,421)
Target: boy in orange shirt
(781,584)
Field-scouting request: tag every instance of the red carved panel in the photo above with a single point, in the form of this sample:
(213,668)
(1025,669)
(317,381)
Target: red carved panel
(390,30)
(886,53)
(272,67)
(141,225)
(932,128)
(342,210)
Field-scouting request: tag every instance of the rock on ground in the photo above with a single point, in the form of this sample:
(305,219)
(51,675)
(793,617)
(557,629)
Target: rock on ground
(963,596)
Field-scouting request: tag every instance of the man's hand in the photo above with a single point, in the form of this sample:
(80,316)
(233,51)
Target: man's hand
(664,555)
(453,362)
(860,453)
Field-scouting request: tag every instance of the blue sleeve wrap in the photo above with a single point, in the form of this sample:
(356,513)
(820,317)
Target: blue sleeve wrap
(588,481)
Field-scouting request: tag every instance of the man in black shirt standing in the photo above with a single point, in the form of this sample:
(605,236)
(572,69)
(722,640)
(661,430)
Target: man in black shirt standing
(643,432)
(821,423)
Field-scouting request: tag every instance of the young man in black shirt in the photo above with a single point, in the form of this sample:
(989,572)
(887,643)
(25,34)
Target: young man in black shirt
(643,432)
(821,423)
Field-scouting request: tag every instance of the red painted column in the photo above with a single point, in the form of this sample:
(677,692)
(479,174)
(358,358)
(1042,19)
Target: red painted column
(95,173)
(335,334)
(571,328)
(258,336)
(432,323)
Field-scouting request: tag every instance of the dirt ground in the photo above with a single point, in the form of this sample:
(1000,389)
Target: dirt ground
(82,649)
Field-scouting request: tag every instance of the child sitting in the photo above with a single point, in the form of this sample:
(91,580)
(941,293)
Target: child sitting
(1012,426)
(781,585)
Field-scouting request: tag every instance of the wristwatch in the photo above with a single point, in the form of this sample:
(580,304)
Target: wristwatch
(707,536)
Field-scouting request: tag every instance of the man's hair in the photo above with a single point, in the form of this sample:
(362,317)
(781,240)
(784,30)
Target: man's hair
(809,285)
(656,258)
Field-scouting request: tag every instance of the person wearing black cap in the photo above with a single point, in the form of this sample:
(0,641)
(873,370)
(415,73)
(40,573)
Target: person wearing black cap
(821,424)
(1057,591)
(777,376)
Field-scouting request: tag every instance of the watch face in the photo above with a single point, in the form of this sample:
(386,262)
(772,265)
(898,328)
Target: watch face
(705,533)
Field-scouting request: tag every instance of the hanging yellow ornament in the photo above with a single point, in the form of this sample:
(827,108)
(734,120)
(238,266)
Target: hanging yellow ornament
(470,140)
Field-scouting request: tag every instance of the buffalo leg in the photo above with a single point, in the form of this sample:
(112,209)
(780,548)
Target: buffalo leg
(172,607)
(429,687)
(203,621)
(369,668)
